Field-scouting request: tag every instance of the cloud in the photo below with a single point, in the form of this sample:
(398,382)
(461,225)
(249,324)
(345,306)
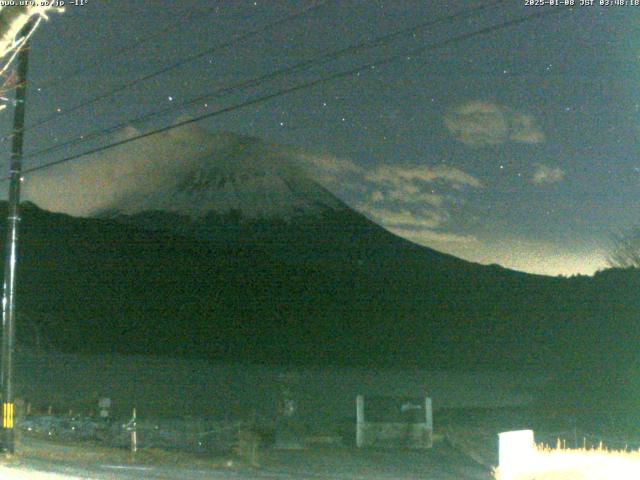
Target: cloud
(425,227)
(401,176)
(384,184)
(93,184)
(407,196)
(544,174)
(404,200)
(524,129)
(479,124)
(404,217)
(398,195)
(377,196)
(328,164)
(336,174)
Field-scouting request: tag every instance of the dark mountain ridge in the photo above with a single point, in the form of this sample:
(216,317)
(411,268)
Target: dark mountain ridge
(100,285)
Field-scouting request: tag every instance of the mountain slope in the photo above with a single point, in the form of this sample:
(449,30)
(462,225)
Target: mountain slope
(98,285)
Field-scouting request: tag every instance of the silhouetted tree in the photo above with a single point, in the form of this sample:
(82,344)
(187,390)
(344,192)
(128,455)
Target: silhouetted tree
(625,249)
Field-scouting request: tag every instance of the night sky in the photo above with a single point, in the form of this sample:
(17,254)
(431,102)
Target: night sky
(517,147)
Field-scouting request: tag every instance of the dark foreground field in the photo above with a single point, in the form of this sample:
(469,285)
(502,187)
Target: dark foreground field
(466,447)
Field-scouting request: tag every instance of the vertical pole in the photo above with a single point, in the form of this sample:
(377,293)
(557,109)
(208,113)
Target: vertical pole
(13,218)
(428,410)
(134,433)
(360,421)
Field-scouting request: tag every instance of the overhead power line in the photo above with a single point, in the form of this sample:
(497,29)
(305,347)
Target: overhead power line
(100,62)
(255,81)
(178,64)
(304,86)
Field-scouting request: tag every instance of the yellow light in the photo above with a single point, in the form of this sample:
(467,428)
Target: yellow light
(522,463)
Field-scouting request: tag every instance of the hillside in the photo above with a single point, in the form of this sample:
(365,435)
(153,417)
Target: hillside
(99,285)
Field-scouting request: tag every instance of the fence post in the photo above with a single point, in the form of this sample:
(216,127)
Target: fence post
(428,408)
(134,433)
(360,421)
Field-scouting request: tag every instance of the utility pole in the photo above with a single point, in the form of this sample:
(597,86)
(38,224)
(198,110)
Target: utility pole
(13,219)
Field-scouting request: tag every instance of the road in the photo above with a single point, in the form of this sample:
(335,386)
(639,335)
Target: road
(440,463)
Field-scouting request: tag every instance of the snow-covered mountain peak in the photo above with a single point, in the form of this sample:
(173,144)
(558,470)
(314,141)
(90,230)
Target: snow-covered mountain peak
(189,172)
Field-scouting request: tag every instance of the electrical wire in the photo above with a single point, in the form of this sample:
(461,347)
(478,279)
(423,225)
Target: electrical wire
(178,64)
(256,81)
(100,62)
(303,86)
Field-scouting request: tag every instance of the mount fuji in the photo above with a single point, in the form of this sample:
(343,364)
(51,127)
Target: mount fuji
(228,190)
(226,248)
(242,175)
